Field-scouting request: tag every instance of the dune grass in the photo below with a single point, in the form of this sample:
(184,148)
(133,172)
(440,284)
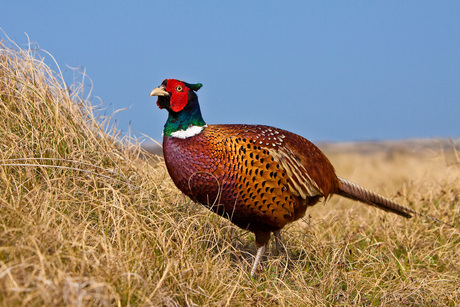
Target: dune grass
(88,219)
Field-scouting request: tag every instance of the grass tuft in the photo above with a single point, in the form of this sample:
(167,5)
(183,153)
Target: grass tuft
(88,219)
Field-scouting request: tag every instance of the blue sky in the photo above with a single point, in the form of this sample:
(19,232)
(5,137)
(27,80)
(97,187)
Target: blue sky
(327,70)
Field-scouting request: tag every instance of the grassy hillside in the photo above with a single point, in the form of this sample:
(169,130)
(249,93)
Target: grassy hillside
(86,222)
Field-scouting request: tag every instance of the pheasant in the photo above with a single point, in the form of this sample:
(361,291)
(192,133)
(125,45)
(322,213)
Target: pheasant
(259,177)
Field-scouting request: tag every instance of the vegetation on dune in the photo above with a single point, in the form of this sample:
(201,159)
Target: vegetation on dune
(89,219)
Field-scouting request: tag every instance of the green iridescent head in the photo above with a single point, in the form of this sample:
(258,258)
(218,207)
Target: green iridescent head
(181,101)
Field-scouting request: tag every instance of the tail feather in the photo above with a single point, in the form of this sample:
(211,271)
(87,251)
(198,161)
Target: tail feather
(353,191)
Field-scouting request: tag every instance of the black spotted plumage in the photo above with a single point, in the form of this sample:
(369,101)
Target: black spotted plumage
(237,177)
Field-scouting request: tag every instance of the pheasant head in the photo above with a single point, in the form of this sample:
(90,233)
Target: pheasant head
(181,102)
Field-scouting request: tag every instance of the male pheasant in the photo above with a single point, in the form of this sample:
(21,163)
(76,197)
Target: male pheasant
(259,177)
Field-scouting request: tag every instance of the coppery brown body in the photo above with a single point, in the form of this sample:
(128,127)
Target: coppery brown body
(239,171)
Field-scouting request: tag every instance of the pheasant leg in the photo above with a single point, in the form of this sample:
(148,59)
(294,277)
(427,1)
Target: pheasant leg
(260,253)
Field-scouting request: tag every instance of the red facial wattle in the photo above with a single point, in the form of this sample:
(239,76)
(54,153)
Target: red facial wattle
(179,94)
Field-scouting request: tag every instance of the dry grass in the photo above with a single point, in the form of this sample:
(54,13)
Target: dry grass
(86,222)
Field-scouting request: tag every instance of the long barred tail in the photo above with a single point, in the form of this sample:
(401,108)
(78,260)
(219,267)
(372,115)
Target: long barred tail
(353,191)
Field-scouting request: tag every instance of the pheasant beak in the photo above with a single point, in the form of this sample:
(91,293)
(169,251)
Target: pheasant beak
(159,91)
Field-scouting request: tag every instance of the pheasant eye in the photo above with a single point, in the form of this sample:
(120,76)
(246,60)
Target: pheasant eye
(179,88)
